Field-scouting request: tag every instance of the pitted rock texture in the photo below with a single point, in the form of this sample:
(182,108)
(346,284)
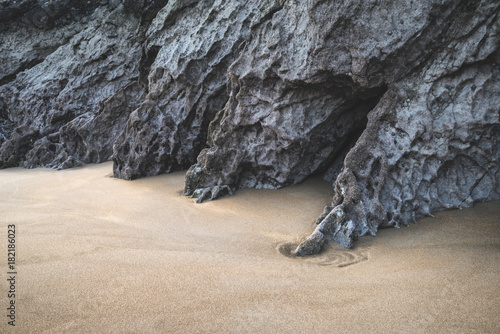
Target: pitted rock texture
(191,44)
(69,72)
(417,80)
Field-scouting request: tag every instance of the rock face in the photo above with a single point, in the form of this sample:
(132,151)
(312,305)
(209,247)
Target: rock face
(396,103)
(189,46)
(69,78)
(418,80)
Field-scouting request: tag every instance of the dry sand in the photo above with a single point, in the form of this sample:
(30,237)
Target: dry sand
(101,255)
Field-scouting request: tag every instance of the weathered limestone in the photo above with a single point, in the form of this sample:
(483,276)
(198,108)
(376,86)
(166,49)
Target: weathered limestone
(190,45)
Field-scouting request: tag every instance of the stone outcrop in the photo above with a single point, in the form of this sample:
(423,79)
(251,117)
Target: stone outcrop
(69,78)
(396,103)
(191,44)
(417,80)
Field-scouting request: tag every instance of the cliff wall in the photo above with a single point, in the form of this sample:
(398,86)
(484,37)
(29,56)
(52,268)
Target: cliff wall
(396,103)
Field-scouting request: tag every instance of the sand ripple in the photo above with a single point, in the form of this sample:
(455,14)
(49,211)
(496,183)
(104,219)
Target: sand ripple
(332,256)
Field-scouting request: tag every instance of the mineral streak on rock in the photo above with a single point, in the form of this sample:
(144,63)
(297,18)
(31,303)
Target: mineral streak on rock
(396,102)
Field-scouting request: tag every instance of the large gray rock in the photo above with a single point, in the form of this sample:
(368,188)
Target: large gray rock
(69,71)
(421,78)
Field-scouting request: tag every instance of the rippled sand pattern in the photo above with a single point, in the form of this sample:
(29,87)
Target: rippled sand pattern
(101,255)
(340,257)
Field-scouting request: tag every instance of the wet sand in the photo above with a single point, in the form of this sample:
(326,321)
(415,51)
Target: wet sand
(101,255)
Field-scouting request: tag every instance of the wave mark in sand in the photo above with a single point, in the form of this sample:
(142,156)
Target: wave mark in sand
(331,256)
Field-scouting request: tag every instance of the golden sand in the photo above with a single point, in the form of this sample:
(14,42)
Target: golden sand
(96,254)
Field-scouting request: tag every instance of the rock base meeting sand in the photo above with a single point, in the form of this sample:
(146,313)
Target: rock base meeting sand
(96,254)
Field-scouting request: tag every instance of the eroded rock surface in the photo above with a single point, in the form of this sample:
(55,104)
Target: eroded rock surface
(191,45)
(397,103)
(422,75)
(69,72)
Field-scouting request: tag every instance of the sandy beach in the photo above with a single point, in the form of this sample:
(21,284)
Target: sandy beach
(96,254)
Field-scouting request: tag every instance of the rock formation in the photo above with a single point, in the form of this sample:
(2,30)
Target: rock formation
(189,46)
(418,80)
(68,78)
(396,103)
